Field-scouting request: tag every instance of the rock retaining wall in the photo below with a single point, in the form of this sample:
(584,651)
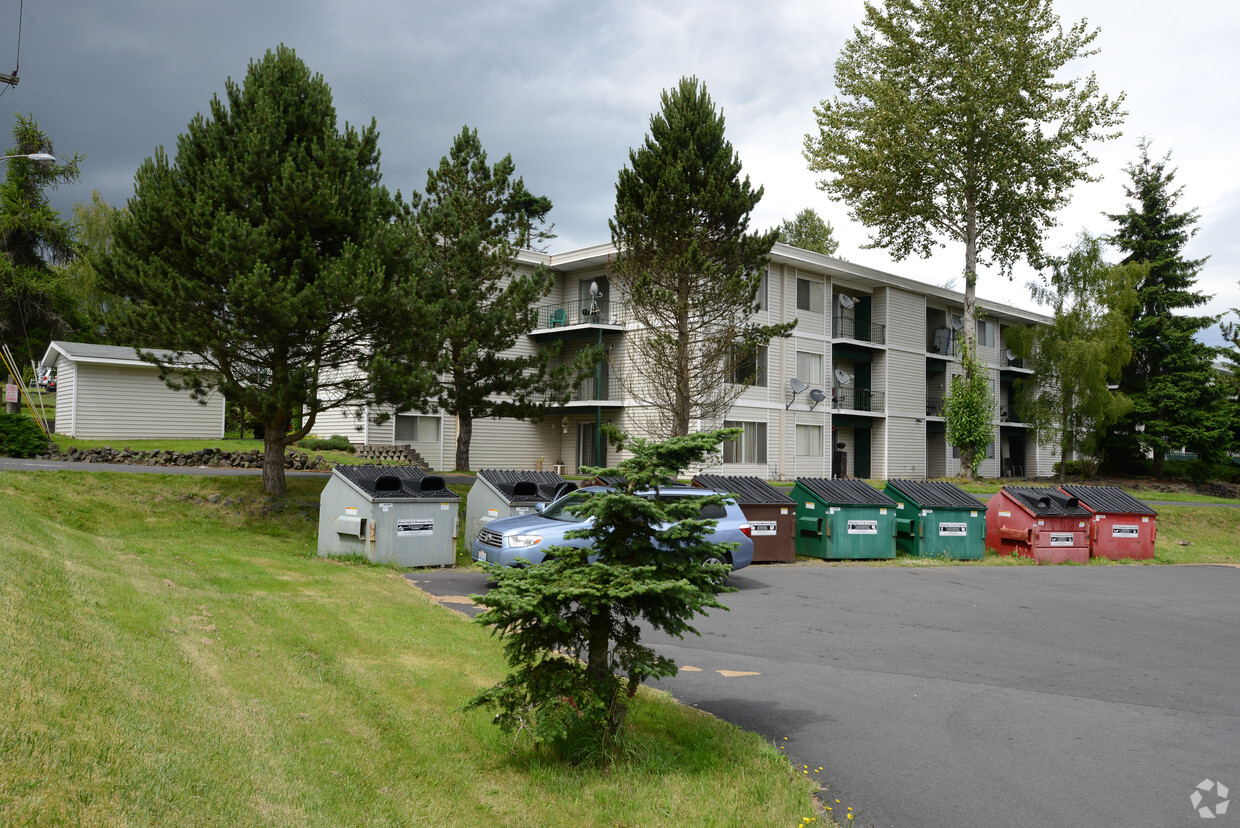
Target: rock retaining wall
(211,457)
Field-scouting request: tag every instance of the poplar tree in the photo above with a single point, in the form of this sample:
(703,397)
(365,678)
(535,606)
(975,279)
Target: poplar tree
(1176,398)
(953,120)
(808,231)
(687,266)
(256,255)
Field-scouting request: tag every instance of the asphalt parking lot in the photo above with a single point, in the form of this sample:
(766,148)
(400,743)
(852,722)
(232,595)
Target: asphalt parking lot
(978,696)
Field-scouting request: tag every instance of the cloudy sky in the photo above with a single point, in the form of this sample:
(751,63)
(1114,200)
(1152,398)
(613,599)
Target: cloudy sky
(568,87)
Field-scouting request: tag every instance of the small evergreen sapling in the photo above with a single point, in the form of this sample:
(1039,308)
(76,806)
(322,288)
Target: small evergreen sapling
(571,628)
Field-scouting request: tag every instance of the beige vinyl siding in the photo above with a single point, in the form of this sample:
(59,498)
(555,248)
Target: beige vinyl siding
(906,447)
(939,457)
(66,395)
(1046,455)
(504,443)
(343,420)
(905,321)
(878,449)
(121,401)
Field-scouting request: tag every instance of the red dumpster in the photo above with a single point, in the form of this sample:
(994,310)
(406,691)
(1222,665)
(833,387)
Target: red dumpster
(1121,527)
(1038,522)
(770,512)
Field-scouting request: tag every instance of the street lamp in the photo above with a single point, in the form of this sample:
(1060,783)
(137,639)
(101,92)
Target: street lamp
(43,159)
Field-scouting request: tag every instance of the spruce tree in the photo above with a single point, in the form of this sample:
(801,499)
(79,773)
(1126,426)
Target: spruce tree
(1170,379)
(687,266)
(257,255)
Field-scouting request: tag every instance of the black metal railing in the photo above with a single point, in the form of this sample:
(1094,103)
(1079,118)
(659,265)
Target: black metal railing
(1010,362)
(582,312)
(934,406)
(844,398)
(943,341)
(846,327)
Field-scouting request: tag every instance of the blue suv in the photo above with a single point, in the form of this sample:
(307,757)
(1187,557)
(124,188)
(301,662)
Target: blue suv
(528,537)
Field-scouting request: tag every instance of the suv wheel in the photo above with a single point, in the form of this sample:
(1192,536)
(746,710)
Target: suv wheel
(726,560)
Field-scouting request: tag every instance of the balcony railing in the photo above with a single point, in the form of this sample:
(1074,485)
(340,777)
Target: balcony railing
(856,399)
(580,312)
(1005,362)
(846,327)
(934,406)
(943,341)
(606,388)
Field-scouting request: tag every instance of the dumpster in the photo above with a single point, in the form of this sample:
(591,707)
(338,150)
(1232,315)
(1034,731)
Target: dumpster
(840,519)
(498,493)
(388,514)
(935,519)
(769,510)
(1122,526)
(1038,522)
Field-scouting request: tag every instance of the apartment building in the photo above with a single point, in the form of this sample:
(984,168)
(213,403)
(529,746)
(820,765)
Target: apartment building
(857,390)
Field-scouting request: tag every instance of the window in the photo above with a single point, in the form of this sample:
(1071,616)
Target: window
(749,368)
(749,447)
(763,288)
(985,334)
(809,295)
(413,428)
(809,441)
(809,367)
(990,451)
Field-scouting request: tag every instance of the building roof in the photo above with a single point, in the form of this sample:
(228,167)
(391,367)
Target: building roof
(109,354)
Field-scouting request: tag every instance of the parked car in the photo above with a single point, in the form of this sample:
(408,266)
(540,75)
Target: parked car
(527,537)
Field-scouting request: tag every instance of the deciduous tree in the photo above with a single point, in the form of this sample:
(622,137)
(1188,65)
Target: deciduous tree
(687,266)
(257,255)
(808,231)
(954,120)
(1078,358)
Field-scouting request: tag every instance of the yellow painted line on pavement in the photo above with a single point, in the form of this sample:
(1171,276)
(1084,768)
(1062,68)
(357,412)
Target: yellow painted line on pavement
(735,673)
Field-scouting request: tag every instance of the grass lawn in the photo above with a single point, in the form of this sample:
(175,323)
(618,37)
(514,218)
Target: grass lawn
(172,662)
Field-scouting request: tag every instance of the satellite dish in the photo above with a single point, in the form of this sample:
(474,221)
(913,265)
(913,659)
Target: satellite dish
(1011,356)
(842,377)
(846,301)
(594,289)
(957,323)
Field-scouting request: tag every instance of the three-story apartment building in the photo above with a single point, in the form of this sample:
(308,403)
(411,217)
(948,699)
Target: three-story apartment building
(857,390)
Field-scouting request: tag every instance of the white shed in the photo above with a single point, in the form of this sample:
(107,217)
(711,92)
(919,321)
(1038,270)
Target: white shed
(106,392)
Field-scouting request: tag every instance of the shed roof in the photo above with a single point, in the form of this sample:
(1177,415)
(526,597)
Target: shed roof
(845,491)
(1108,499)
(542,483)
(746,489)
(109,354)
(936,494)
(1045,501)
(396,482)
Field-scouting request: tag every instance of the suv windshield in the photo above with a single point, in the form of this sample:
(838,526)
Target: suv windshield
(567,508)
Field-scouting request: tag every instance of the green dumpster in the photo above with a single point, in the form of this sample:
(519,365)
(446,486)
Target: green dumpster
(843,519)
(935,519)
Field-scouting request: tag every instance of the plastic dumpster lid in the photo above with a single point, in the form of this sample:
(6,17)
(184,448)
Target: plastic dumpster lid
(748,490)
(845,491)
(520,485)
(1045,501)
(395,482)
(1108,499)
(936,494)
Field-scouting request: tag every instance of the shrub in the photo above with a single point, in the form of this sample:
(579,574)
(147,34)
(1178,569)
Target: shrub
(20,436)
(337,442)
(1080,468)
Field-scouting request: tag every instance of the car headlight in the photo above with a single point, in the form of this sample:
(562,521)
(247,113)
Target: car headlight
(522,541)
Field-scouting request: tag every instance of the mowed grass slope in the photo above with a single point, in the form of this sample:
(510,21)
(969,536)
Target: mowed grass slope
(173,662)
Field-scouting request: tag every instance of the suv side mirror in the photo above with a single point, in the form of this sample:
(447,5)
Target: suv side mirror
(539,507)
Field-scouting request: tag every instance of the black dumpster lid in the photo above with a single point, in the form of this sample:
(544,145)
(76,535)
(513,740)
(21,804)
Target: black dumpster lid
(845,491)
(1045,501)
(936,494)
(505,481)
(396,482)
(1108,499)
(748,490)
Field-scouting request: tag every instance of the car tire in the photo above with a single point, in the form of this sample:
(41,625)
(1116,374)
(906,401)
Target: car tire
(726,560)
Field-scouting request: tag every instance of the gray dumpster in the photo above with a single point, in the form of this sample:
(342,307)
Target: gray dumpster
(498,493)
(388,514)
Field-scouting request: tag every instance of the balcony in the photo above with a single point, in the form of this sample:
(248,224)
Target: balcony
(1013,363)
(844,398)
(606,390)
(934,406)
(574,320)
(846,327)
(944,342)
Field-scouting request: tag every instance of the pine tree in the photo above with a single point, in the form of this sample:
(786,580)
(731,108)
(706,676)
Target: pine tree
(468,301)
(258,255)
(1170,379)
(36,297)
(687,266)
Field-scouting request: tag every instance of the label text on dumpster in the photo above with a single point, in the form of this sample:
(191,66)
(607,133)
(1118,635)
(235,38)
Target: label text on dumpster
(1121,531)
(863,527)
(762,527)
(407,528)
(1062,538)
(953,530)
